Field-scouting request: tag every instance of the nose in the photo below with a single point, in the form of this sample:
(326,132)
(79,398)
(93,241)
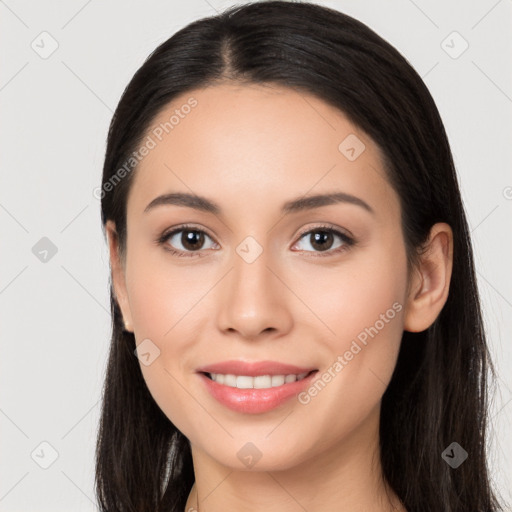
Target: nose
(254,301)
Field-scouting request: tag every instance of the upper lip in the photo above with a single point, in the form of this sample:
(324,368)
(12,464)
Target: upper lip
(254,369)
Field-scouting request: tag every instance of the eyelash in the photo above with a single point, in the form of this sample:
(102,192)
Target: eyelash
(347,240)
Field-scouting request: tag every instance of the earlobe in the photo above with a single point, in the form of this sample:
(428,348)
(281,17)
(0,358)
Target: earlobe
(431,281)
(118,275)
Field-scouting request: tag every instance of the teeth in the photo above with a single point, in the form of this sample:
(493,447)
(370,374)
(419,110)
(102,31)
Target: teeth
(260,382)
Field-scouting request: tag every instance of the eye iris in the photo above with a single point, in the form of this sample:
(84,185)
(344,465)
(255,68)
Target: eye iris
(192,239)
(319,238)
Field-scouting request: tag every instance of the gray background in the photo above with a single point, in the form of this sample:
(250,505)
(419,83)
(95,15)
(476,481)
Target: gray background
(55,320)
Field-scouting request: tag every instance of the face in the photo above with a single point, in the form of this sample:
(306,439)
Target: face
(320,287)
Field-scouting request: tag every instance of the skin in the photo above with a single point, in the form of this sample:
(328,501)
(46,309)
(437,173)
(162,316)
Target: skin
(250,148)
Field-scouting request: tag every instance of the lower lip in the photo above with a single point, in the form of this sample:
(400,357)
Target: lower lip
(254,401)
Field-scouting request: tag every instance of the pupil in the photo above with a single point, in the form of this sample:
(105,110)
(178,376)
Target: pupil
(322,236)
(192,239)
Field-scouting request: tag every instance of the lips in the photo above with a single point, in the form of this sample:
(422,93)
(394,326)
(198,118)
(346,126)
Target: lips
(255,401)
(254,369)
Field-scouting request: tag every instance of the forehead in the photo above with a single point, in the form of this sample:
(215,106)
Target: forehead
(250,146)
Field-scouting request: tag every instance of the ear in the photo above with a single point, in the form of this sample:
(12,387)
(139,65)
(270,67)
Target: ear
(431,281)
(118,275)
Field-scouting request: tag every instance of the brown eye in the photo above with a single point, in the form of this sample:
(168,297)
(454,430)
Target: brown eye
(323,240)
(184,240)
(192,240)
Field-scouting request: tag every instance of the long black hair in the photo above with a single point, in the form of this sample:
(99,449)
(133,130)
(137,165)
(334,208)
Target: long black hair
(439,390)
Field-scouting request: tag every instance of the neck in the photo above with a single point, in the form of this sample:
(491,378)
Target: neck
(342,478)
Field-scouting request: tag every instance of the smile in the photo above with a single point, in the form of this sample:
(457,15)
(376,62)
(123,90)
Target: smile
(255,395)
(259,382)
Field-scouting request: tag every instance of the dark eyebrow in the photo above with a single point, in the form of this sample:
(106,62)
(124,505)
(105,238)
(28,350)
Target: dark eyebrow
(310,202)
(183,199)
(295,205)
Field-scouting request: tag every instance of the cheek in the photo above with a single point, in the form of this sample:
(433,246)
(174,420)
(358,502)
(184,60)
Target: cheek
(163,295)
(364,306)
(366,290)
(165,302)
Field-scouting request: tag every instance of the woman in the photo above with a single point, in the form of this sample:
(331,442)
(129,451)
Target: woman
(296,320)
